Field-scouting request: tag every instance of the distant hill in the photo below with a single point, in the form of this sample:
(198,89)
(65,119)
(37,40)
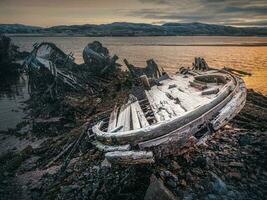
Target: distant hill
(18,28)
(135,29)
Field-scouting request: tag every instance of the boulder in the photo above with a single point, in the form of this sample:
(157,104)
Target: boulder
(157,190)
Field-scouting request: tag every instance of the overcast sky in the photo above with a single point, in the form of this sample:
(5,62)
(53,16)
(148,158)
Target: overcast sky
(57,12)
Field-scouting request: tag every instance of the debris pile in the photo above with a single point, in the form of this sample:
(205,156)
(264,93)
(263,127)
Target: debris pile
(98,61)
(200,64)
(64,93)
(152,70)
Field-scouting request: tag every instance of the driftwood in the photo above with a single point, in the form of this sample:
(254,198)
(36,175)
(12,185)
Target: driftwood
(109,148)
(236,71)
(74,147)
(151,70)
(130,157)
(60,155)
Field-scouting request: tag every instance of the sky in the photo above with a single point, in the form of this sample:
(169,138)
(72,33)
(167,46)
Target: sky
(48,13)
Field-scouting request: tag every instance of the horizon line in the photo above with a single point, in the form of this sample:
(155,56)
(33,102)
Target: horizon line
(154,24)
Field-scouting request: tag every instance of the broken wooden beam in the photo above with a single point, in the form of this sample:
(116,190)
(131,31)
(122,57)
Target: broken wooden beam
(130,157)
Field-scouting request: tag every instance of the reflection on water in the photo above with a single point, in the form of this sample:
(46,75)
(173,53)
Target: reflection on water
(13,93)
(169,53)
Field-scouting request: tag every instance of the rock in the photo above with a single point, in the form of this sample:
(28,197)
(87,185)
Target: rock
(218,185)
(232,195)
(189,196)
(169,175)
(157,191)
(236,164)
(200,161)
(235,175)
(183,183)
(175,165)
(27,151)
(244,140)
(69,188)
(171,183)
(211,197)
(30,163)
(106,163)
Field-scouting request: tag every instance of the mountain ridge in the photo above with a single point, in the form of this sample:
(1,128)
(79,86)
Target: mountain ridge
(136,29)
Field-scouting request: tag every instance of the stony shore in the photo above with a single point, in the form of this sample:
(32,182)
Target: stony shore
(231,164)
(48,157)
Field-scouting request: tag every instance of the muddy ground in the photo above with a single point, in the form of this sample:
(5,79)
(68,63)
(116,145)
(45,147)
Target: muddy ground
(231,164)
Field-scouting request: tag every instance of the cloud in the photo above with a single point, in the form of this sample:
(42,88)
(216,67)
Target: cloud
(228,12)
(53,12)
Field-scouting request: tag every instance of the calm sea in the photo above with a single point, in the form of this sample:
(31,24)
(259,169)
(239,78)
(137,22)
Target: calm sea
(245,53)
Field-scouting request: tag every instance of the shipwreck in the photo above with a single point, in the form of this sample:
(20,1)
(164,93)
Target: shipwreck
(92,76)
(164,114)
(170,114)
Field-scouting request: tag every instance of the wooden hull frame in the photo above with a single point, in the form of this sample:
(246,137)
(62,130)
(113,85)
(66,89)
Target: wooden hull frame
(179,139)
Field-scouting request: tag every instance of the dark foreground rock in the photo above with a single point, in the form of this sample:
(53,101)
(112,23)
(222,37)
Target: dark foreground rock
(157,190)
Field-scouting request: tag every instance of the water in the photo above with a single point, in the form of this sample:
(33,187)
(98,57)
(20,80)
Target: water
(13,95)
(245,53)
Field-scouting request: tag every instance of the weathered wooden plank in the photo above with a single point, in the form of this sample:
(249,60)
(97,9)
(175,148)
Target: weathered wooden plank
(130,157)
(109,148)
(154,107)
(127,118)
(197,85)
(124,118)
(113,119)
(231,109)
(141,116)
(134,117)
(210,91)
(145,81)
(163,103)
(121,117)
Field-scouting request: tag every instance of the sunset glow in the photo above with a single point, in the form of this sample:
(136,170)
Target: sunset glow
(57,12)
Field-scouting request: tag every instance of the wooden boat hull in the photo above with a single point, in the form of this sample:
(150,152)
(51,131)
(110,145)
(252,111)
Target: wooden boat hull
(177,135)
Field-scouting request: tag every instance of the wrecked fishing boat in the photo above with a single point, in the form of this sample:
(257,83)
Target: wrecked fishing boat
(170,115)
(92,76)
(50,57)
